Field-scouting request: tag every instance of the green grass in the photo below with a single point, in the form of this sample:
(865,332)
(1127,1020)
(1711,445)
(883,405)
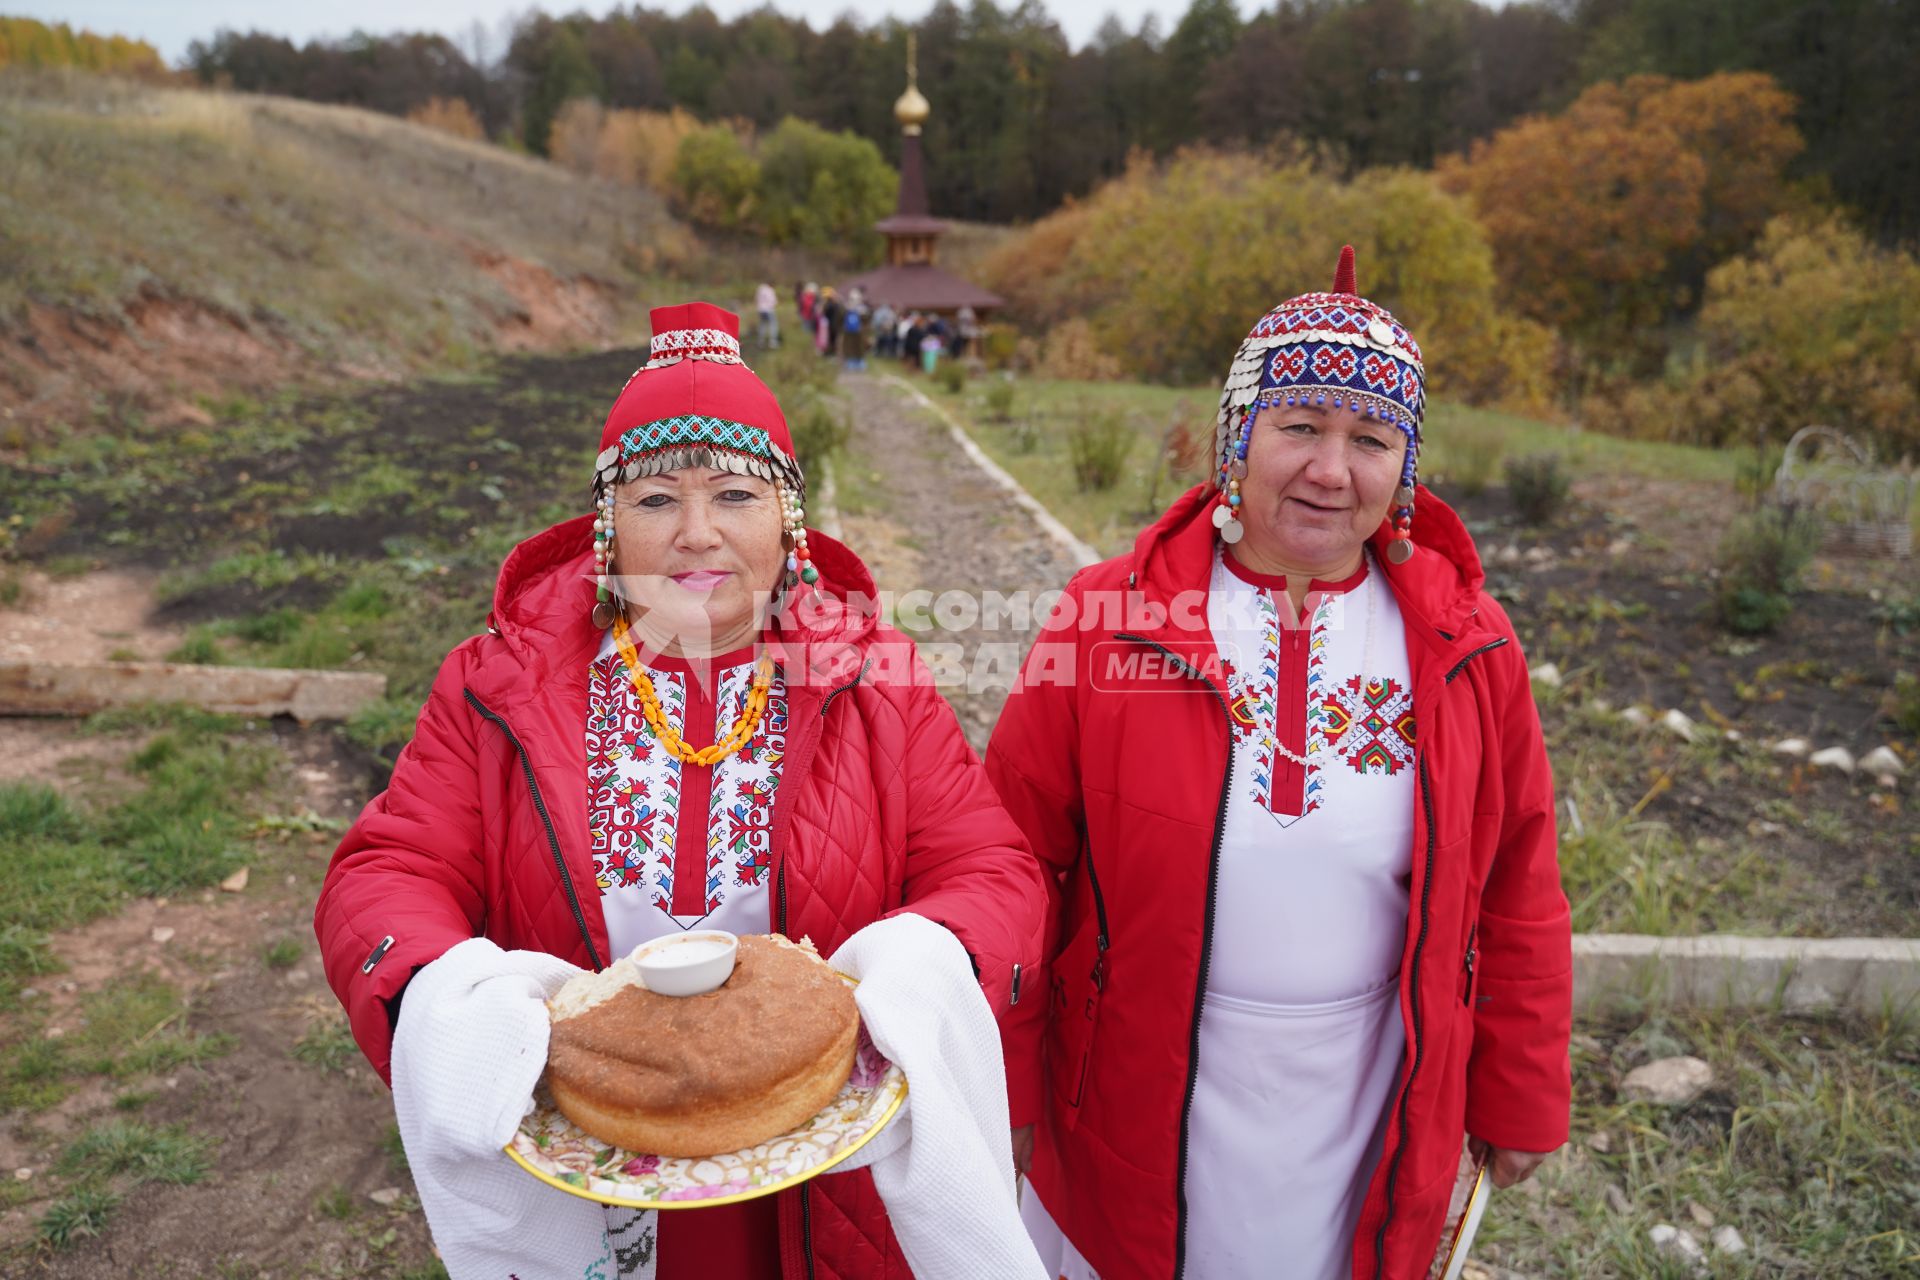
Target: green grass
(145,1153)
(281,953)
(327,1045)
(1808,1143)
(80,1216)
(110,1159)
(337,1203)
(1035,445)
(133,1028)
(180,826)
(395,1149)
(177,829)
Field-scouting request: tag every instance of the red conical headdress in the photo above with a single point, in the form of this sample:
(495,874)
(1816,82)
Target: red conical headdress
(695,403)
(1343,274)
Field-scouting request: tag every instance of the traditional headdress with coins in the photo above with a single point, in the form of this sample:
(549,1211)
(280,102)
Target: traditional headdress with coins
(1334,349)
(694,403)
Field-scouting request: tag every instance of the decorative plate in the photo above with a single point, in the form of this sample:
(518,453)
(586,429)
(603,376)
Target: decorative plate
(552,1149)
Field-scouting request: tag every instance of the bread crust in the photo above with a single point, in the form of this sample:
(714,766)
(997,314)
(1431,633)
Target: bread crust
(705,1075)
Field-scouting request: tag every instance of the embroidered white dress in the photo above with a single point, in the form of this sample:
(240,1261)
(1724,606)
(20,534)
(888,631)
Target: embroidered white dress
(1301,1038)
(677,847)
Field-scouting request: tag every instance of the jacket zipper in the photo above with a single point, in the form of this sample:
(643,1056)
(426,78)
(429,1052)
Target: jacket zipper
(780,895)
(1101,938)
(1206,948)
(1473,931)
(553,839)
(1419,950)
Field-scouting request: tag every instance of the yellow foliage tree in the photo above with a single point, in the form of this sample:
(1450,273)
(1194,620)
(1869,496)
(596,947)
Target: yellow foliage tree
(1815,325)
(639,147)
(26,43)
(1171,264)
(449,115)
(1605,218)
(574,141)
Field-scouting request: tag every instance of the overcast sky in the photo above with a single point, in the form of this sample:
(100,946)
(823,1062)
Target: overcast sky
(170,25)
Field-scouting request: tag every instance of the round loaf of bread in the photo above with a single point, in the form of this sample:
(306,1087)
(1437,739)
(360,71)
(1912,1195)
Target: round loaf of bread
(709,1074)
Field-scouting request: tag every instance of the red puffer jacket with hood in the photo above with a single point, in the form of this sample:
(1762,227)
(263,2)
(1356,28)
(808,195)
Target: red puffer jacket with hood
(1114,756)
(483,830)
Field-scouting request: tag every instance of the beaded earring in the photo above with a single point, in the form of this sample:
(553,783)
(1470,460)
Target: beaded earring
(1400,550)
(793,530)
(603,607)
(1233,469)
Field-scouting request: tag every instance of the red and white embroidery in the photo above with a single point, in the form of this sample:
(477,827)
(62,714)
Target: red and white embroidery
(1365,721)
(740,808)
(634,789)
(1370,724)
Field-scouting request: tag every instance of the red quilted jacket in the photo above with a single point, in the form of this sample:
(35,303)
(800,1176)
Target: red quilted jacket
(483,830)
(1119,779)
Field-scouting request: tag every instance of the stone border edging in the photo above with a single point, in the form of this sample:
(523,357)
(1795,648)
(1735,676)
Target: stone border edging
(1728,971)
(1049,523)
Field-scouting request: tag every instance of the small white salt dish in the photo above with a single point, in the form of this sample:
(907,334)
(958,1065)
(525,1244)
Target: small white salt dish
(689,965)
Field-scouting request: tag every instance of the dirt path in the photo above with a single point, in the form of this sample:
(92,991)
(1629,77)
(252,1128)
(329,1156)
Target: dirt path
(928,521)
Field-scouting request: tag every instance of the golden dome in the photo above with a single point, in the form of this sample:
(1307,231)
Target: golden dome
(911,109)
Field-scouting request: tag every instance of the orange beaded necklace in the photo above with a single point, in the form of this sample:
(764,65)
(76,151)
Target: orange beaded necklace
(743,729)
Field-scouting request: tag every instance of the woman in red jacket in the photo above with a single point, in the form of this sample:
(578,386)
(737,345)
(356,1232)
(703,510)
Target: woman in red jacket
(634,748)
(1284,763)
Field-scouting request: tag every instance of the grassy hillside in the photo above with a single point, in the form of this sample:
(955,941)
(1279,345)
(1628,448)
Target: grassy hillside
(166,241)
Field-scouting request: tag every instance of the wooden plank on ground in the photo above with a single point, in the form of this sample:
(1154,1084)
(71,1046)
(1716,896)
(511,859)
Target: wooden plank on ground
(81,688)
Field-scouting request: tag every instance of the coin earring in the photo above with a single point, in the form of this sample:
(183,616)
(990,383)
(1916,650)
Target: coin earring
(1233,469)
(1400,549)
(603,608)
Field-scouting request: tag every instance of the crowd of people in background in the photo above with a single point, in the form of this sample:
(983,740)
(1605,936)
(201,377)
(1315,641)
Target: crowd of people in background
(852,327)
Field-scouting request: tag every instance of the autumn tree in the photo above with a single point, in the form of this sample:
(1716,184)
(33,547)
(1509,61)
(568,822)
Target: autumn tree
(1171,263)
(449,115)
(1604,217)
(716,178)
(1815,324)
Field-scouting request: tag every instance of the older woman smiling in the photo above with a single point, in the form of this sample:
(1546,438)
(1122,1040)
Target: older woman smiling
(1308,923)
(681,716)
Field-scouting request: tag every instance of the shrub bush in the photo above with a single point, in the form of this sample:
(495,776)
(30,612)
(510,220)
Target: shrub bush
(1000,399)
(1903,703)
(1761,559)
(800,184)
(1099,449)
(1815,325)
(818,433)
(449,115)
(952,377)
(1072,353)
(822,189)
(1169,265)
(716,178)
(1537,486)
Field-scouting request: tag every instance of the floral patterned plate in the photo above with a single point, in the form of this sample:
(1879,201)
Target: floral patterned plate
(553,1150)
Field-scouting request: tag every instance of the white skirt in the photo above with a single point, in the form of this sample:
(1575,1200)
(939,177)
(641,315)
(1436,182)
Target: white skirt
(1289,1112)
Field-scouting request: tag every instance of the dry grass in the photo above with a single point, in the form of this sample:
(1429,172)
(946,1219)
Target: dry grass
(351,235)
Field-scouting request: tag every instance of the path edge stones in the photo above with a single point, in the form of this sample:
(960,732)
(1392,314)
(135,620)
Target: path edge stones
(1874,976)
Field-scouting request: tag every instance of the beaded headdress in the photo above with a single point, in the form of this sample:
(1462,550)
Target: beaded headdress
(695,403)
(1335,349)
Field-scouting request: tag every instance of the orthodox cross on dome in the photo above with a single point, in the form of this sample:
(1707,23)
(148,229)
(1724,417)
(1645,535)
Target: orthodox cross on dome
(910,280)
(911,109)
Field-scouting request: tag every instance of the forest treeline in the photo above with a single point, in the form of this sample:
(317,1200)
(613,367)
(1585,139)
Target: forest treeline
(1023,121)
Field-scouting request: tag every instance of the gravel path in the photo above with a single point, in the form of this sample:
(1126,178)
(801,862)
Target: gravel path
(927,520)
